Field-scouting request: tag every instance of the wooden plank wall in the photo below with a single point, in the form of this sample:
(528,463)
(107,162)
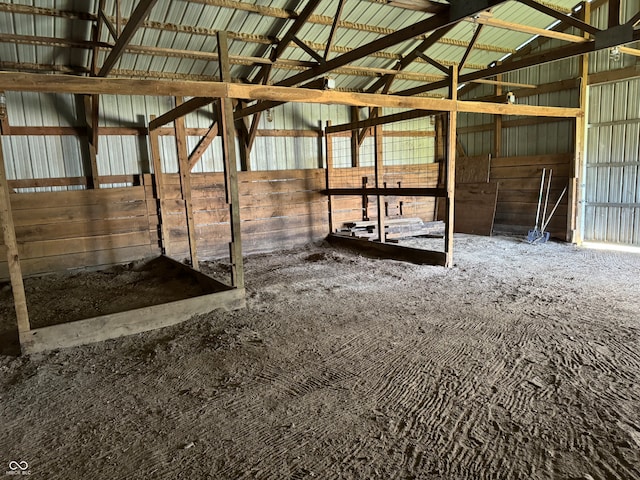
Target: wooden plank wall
(518,181)
(348,209)
(91,228)
(279,209)
(81,228)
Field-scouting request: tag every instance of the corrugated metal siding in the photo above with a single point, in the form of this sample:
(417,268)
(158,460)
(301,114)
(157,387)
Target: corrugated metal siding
(612,194)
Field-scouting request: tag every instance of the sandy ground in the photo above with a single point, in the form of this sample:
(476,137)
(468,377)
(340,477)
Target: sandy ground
(522,362)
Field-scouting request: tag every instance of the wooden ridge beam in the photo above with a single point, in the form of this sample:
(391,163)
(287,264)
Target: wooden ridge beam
(141,12)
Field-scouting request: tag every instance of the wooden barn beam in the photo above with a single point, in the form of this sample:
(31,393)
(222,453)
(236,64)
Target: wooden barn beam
(386,81)
(180,111)
(204,144)
(5,127)
(450,171)
(472,43)
(158,179)
(334,28)
(13,259)
(568,19)
(90,85)
(269,11)
(449,15)
(137,17)
(574,211)
(230,170)
(559,53)
(185,185)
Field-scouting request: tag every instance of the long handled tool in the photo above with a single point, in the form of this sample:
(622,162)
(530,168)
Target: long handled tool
(535,233)
(544,225)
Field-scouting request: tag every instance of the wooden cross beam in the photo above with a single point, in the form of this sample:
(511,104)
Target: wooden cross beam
(559,53)
(387,80)
(446,17)
(568,19)
(137,17)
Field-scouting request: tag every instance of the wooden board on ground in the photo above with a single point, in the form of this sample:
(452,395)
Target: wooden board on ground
(389,251)
(475,208)
(97,329)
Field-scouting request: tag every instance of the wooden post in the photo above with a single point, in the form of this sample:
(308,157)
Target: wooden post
(329,172)
(158,181)
(574,212)
(230,166)
(90,116)
(451,170)
(185,184)
(13,259)
(379,170)
(355,145)
(497,138)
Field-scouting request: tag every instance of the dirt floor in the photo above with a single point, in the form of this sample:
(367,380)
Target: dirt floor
(522,362)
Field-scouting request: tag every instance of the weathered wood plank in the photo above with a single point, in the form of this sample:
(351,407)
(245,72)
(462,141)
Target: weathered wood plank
(475,208)
(128,323)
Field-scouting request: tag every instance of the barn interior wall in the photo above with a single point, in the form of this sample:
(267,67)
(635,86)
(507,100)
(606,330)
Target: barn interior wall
(280,199)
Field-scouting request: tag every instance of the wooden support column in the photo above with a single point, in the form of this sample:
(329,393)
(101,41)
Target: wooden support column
(379,170)
(90,105)
(497,136)
(4,115)
(13,259)
(574,211)
(158,181)
(185,184)
(230,167)
(451,170)
(355,145)
(329,171)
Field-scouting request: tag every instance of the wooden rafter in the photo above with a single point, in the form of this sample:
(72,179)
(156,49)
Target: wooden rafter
(334,28)
(473,41)
(435,63)
(314,19)
(386,81)
(559,53)
(568,19)
(432,23)
(139,14)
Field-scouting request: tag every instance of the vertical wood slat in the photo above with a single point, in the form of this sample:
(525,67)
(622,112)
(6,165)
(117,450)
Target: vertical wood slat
(158,180)
(90,112)
(9,234)
(379,156)
(230,167)
(185,184)
(497,139)
(451,171)
(574,213)
(329,172)
(355,146)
